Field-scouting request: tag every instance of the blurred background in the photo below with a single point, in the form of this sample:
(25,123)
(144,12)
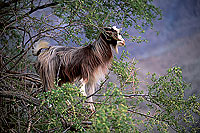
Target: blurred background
(178,42)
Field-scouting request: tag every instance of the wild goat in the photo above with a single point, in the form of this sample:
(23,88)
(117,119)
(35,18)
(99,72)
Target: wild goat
(87,63)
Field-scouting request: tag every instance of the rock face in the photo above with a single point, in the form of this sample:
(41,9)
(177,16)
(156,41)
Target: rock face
(178,43)
(186,54)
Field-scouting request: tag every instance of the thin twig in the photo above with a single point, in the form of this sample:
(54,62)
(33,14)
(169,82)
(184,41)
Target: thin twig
(125,95)
(148,116)
(66,130)
(106,18)
(30,122)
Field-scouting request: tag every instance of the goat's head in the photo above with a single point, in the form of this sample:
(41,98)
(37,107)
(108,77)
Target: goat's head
(113,37)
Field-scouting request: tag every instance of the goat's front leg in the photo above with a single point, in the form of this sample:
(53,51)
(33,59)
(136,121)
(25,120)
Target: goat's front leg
(90,89)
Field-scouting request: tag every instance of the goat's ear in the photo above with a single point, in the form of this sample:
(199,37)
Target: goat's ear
(107,28)
(108,31)
(109,34)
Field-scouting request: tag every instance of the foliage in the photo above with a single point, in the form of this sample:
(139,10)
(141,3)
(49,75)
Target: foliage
(66,103)
(112,114)
(25,108)
(167,92)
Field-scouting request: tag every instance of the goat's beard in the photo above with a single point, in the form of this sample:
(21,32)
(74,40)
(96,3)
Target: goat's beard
(115,48)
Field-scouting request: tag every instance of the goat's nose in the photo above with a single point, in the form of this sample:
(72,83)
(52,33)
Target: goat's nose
(123,43)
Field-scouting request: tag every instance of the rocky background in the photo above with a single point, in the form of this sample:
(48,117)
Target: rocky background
(178,42)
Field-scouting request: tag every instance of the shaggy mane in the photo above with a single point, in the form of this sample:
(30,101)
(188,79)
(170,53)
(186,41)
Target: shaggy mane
(74,63)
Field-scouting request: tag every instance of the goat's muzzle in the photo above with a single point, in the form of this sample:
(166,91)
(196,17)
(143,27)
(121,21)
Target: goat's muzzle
(122,43)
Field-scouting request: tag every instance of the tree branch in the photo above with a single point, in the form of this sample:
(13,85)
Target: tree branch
(40,7)
(3,5)
(147,116)
(31,11)
(127,95)
(11,94)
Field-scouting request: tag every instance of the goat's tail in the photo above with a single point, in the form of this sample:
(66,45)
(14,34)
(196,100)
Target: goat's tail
(39,46)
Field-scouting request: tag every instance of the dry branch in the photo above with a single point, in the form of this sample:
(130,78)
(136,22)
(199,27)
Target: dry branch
(19,96)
